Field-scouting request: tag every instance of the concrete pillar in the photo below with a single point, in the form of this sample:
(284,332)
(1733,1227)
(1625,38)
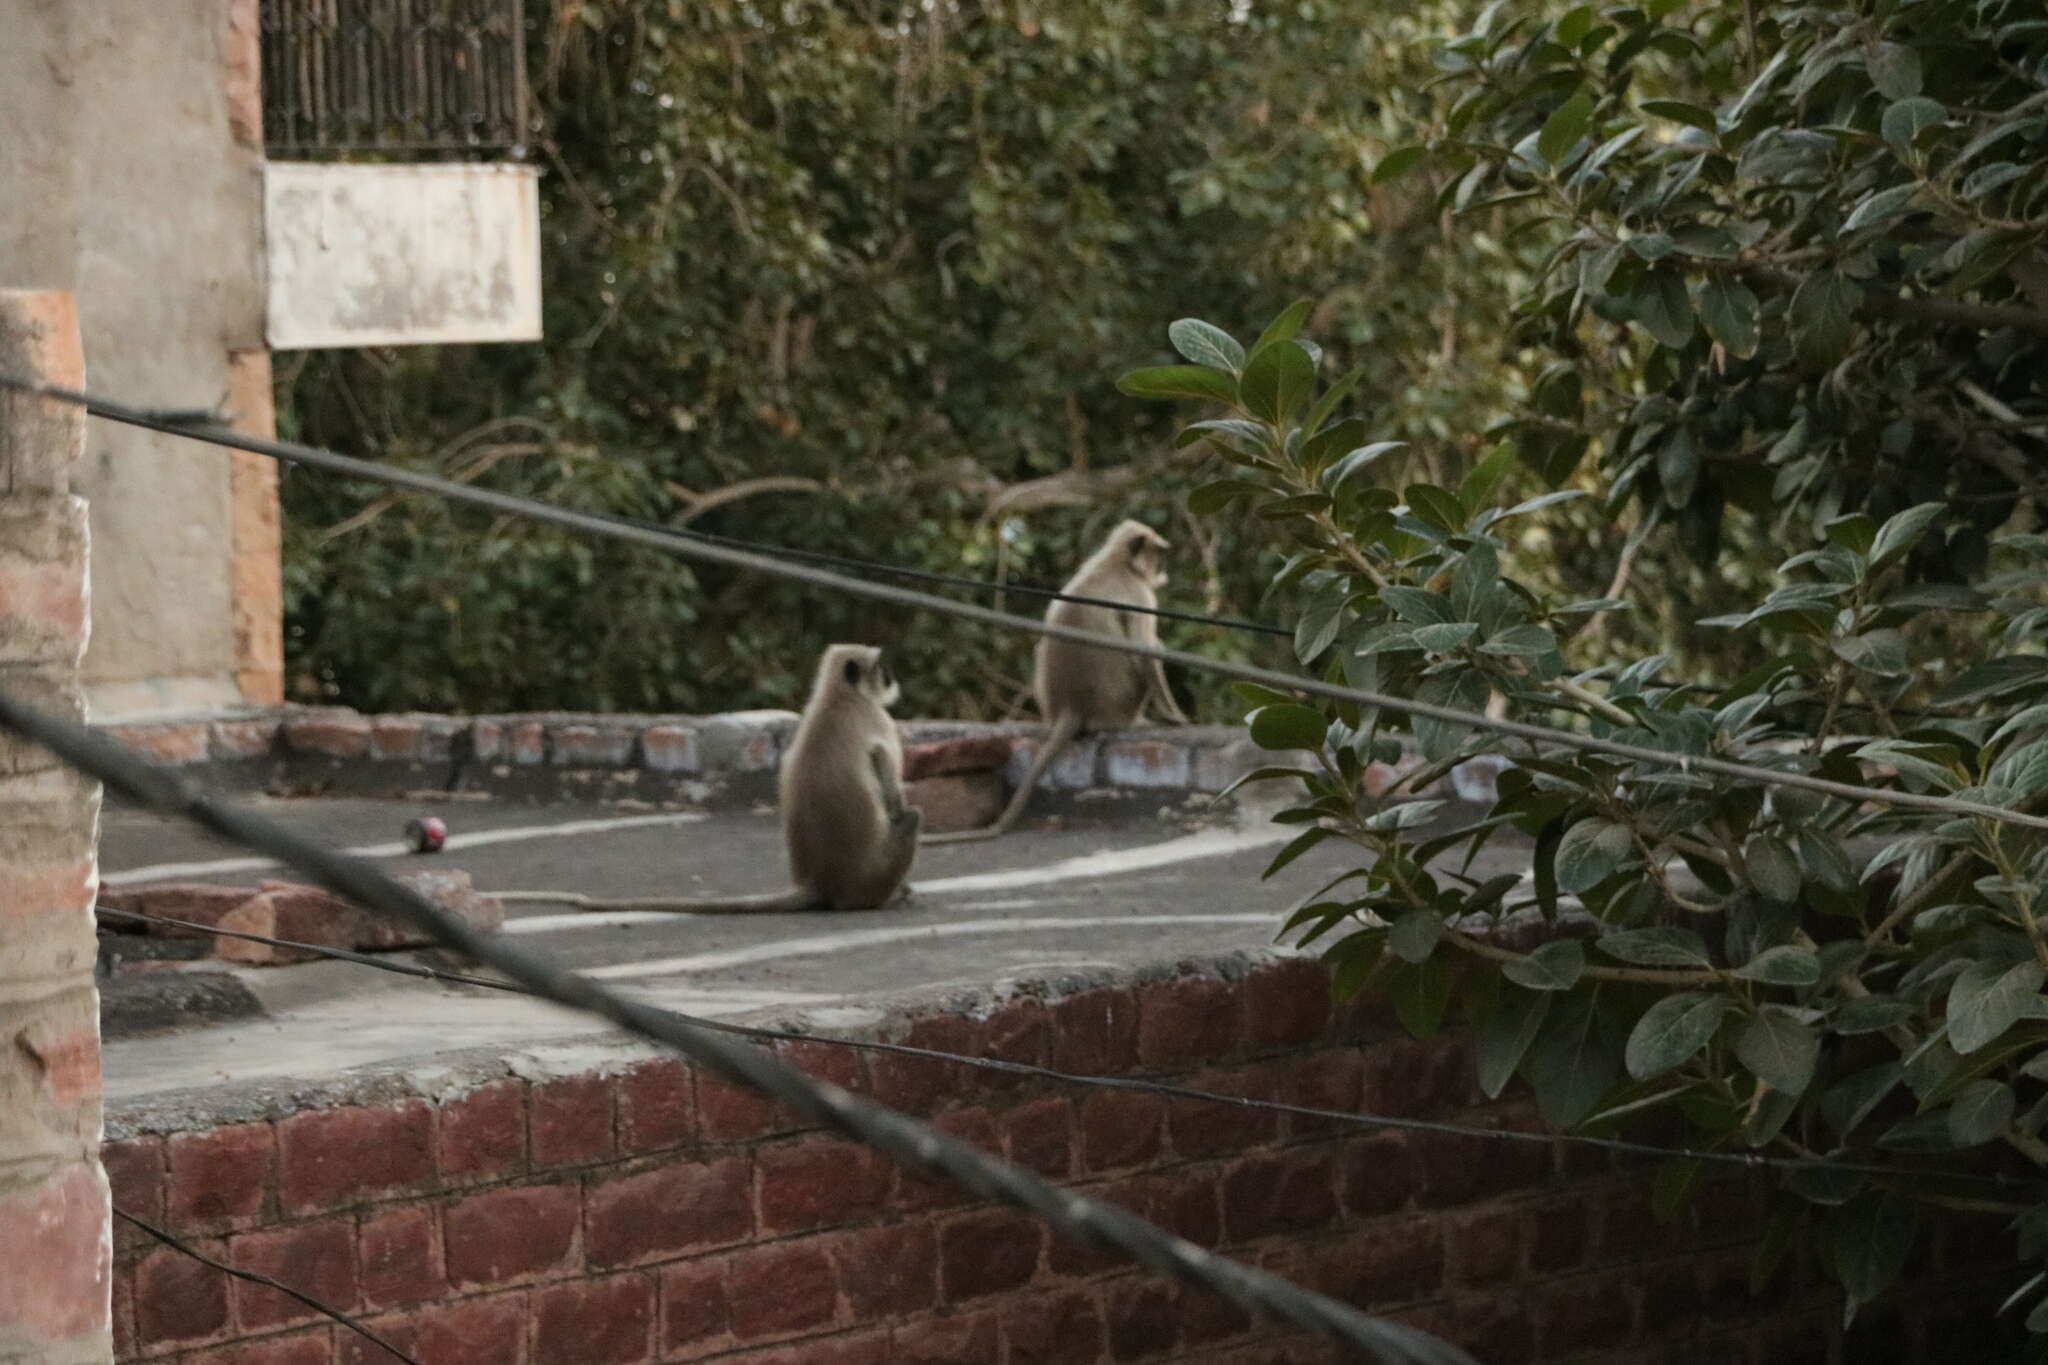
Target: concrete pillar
(256,585)
(55,1243)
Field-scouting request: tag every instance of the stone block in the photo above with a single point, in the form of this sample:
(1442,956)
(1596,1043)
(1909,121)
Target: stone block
(333,734)
(233,739)
(590,746)
(670,749)
(743,741)
(967,754)
(1146,763)
(956,800)
(1073,770)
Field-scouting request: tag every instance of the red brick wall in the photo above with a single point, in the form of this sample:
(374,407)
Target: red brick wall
(53,1212)
(650,1213)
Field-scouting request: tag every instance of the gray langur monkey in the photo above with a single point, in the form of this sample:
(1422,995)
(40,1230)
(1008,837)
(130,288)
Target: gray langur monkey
(850,838)
(1083,687)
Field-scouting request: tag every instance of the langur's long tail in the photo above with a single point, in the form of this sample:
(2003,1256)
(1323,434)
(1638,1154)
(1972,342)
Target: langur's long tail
(1062,733)
(782,902)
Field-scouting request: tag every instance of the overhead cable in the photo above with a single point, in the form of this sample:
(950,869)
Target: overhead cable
(1167,1089)
(903,1139)
(669,540)
(268,1282)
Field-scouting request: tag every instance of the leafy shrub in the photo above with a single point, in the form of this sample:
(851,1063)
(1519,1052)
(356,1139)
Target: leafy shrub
(1793,293)
(877,272)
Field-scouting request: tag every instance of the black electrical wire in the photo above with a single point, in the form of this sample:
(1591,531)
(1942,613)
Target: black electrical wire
(257,1277)
(667,539)
(195,421)
(903,1139)
(1352,1118)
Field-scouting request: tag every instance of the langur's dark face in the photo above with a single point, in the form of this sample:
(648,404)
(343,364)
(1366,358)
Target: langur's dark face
(1148,557)
(865,672)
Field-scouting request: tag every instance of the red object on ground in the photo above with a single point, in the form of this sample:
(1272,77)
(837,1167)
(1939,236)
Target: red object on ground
(426,835)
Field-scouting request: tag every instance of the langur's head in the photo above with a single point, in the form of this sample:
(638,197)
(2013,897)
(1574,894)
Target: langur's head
(858,668)
(1143,549)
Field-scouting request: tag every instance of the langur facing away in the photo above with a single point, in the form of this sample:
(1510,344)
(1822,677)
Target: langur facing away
(849,836)
(1081,687)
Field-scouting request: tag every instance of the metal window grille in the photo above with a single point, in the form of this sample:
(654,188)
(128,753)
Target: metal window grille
(393,75)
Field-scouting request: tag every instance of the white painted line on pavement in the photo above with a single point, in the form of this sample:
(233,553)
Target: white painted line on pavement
(1113,862)
(907,933)
(1109,863)
(515,834)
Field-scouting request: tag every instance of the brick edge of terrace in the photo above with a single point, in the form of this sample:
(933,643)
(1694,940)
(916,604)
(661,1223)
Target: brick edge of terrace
(727,759)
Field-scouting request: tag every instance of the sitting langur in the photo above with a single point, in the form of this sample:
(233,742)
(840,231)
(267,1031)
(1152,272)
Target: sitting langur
(850,838)
(1081,687)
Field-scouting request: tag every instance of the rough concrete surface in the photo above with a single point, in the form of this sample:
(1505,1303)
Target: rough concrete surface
(161,237)
(1041,909)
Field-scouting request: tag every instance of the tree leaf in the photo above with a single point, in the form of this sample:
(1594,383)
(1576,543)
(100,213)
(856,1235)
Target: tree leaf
(1419,994)
(1659,946)
(1321,618)
(1294,848)
(1466,690)
(1396,163)
(1591,851)
(1870,1015)
(1415,935)
(1283,327)
(1980,1112)
(1872,1236)
(1730,311)
(1418,606)
(1680,112)
(1275,380)
(1437,506)
(1901,532)
(1773,867)
(1988,998)
(1876,651)
(1574,1062)
(1288,726)
(1663,307)
(1179,381)
(1205,344)
(1825,1184)
(1823,316)
(1906,119)
(1506,1035)
(1555,966)
(1847,1104)
(1882,207)
(1987,178)
(1446,638)
(1565,126)
(1672,1031)
(1895,71)
(1353,461)
(1788,964)
(1525,641)
(1212,498)
(1779,1050)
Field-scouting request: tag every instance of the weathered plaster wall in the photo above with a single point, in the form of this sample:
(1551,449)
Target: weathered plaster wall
(133,177)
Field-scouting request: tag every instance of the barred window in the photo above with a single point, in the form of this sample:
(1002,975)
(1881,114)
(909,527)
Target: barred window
(393,75)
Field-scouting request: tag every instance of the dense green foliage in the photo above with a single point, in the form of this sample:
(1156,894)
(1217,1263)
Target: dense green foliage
(892,255)
(1791,298)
